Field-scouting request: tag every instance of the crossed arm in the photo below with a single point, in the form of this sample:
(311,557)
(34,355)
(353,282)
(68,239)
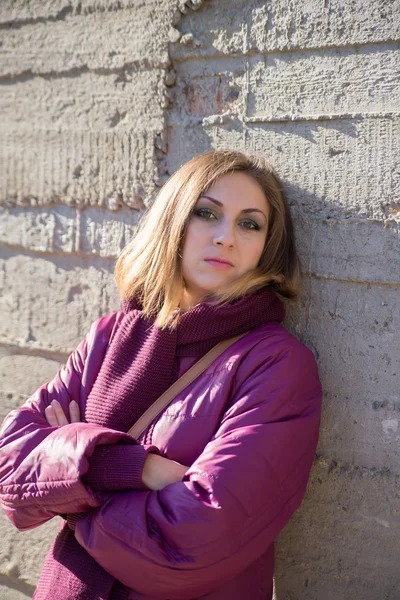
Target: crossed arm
(206,526)
(158,472)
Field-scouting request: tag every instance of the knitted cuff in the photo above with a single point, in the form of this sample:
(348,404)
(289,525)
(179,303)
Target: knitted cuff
(118,467)
(73,518)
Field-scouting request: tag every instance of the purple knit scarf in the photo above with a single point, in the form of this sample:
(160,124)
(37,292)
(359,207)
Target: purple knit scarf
(137,369)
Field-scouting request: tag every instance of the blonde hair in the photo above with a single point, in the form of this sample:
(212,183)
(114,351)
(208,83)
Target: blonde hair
(149,267)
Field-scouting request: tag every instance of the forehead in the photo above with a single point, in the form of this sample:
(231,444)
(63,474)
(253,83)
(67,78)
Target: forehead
(238,187)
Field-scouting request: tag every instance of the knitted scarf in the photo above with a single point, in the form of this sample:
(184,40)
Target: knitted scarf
(138,367)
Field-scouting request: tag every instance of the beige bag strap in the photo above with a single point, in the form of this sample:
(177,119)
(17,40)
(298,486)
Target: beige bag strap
(162,402)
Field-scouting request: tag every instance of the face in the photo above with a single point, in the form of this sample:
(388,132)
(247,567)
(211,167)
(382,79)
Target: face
(225,236)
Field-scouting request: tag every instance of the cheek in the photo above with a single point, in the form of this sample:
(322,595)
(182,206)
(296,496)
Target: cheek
(260,250)
(254,252)
(195,239)
(190,247)
(187,244)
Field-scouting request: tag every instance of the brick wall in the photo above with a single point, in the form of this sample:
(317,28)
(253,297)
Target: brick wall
(101,101)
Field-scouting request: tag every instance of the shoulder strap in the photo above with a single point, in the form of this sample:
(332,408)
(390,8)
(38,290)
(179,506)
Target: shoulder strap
(191,374)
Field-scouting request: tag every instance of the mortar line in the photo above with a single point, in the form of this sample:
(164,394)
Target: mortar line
(27,251)
(345,467)
(23,587)
(13,348)
(322,117)
(138,66)
(19,23)
(299,49)
(310,118)
(319,276)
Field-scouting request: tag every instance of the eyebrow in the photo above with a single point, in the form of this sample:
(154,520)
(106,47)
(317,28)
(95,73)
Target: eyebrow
(245,210)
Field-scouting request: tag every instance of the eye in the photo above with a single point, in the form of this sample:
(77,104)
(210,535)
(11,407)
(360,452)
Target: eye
(250,225)
(204,213)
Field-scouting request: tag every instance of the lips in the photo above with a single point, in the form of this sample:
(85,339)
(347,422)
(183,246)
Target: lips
(223,262)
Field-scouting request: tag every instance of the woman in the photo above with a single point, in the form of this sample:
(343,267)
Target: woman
(191,508)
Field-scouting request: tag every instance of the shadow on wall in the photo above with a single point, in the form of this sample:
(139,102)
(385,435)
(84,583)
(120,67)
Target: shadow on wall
(347,316)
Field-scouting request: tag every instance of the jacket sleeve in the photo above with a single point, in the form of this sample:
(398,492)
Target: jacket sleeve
(44,470)
(195,535)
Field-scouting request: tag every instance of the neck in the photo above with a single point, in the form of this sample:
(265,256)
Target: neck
(189,300)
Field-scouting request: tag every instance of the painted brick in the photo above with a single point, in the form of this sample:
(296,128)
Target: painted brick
(287,85)
(18,12)
(67,230)
(364,429)
(77,138)
(78,168)
(370,313)
(86,102)
(333,169)
(41,229)
(22,554)
(98,40)
(340,543)
(185,140)
(352,330)
(349,249)
(207,87)
(83,93)
(233,27)
(354,80)
(288,24)
(14,590)
(49,293)
(104,236)
(21,375)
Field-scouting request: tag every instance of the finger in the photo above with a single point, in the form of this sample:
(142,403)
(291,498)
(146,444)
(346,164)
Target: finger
(61,418)
(74,412)
(51,416)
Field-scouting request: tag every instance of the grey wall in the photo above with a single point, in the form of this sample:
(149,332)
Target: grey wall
(100,101)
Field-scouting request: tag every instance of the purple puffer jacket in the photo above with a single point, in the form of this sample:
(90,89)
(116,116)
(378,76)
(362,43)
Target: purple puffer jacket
(248,428)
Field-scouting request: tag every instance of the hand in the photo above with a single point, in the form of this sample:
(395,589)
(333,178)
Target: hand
(158,472)
(55,415)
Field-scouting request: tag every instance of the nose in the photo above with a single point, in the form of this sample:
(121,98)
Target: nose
(225,236)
